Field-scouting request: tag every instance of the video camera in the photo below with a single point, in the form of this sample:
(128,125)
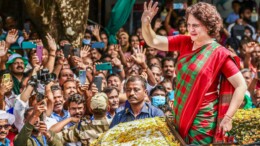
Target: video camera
(45,77)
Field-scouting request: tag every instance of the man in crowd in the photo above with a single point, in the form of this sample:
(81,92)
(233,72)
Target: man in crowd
(65,74)
(59,113)
(113,100)
(136,107)
(115,81)
(16,64)
(76,108)
(86,131)
(168,68)
(34,131)
(69,88)
(6,120)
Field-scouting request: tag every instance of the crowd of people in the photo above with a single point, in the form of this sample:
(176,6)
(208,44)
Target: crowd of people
(43,100)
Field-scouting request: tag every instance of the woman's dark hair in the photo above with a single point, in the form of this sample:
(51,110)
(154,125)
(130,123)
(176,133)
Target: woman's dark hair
(208,15)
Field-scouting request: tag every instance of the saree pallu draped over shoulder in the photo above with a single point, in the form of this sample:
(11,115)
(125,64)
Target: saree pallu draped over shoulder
(196,72)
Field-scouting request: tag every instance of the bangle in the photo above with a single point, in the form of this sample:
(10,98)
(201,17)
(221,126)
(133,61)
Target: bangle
(228,116)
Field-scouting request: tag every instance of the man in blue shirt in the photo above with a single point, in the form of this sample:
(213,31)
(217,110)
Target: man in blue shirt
(136,107)
(59,113)
(6,120)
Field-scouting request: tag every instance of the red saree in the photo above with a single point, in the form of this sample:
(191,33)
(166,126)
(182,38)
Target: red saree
(196,71)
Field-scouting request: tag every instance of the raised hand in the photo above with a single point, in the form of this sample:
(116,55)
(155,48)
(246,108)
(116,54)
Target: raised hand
(6,87)
(95,31)
(12,36)
(35,60)
(3,48)
(39,42)
(158,24)
(43,129)
(84,51)
(116,62)
(36,68)
(39,108)
(94,89)
(139,55)
(51,42)
(144,75)
(82,88)
(129,62)
(150,11)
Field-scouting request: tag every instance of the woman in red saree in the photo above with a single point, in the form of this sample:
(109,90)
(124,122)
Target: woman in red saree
(202,112)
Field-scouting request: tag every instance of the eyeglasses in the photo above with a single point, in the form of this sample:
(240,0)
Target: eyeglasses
(4,126)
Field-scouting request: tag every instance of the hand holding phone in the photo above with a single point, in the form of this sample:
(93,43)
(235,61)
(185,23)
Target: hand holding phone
(76,52)
(29,45)
(66,50)
(82,76)
(39,52)
(104,66)
(6,78)
(98,82)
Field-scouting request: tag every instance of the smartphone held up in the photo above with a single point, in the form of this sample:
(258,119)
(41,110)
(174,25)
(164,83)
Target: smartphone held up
(98,82)
(82,77)
(178,6)
(6,78)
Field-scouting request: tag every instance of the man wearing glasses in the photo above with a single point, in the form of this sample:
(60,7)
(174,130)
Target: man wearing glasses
(6,120)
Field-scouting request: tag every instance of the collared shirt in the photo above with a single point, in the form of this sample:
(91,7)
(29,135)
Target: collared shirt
(109,116)
(58,118)
(19,109)
(127,114)
(7,142)
(10,101)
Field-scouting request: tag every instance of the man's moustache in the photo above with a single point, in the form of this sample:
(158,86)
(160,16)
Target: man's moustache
(19,67)
(3,133)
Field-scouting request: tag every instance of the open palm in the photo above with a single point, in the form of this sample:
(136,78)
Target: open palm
(3,48)
(139,55)
(149,11)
